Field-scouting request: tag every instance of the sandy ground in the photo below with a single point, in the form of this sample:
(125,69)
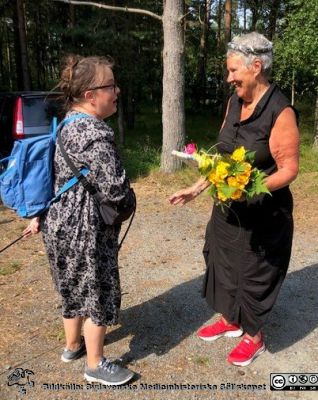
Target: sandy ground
(161,276)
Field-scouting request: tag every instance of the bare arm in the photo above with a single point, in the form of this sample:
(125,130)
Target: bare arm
(284,147)
(185,195)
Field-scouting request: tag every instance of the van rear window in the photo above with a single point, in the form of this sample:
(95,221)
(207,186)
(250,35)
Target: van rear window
(39,111)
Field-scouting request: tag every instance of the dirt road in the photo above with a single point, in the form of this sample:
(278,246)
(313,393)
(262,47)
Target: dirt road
(161,275)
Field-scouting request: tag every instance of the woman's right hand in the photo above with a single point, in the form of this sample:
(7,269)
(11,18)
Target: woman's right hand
(33,228)
(183,196)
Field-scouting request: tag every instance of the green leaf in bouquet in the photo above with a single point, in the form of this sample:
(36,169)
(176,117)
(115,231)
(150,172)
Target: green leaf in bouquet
(256,185)
(205,163)
(226,189)
(212,191)
(236,168)
(250,156)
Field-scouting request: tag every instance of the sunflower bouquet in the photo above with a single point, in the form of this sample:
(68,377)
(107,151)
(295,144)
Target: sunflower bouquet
(232,176)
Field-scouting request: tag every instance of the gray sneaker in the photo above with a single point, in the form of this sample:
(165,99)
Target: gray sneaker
(108,373)
(69,355)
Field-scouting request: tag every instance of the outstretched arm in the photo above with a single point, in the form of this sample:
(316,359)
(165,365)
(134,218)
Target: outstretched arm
(183,196)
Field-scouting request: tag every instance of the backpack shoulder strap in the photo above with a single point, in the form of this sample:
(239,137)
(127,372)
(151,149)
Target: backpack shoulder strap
(80,177)
(69,184)
(66,121)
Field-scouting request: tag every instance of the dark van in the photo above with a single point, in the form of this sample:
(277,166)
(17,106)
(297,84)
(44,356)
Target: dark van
(26,114)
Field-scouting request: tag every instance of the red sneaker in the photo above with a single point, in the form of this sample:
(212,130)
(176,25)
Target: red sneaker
(245,352)
(219,329)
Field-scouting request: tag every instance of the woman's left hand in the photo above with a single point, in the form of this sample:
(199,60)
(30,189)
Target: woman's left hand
(33,228)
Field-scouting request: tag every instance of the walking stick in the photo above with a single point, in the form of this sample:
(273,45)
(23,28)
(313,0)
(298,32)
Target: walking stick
(12,243)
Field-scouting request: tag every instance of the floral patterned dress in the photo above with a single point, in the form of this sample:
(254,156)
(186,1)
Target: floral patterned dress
(82,250)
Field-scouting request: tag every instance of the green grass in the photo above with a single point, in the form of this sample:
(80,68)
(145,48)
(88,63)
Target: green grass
(10,268)
(202,360)
(308,155)
(141,152)
(142,149)
(56,332)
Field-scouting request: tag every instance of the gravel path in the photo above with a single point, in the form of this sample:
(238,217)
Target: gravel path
(161,273)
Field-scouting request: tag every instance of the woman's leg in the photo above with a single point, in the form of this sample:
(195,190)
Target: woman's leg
(226,322)
(72,328)
(256,338)
(94,340)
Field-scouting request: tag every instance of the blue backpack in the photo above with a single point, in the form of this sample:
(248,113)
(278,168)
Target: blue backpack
(27,185)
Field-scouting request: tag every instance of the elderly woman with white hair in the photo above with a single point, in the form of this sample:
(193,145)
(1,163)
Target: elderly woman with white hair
(248,245)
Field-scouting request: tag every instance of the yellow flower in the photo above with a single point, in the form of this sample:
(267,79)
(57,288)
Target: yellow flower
(245,176)
(236,195)
(248,168)
(222,169)
(238,154)
(214,178)
(243,179)
(203,160)
(221,196)
(235,182)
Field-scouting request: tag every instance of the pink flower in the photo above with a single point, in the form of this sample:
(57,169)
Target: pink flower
(190,148)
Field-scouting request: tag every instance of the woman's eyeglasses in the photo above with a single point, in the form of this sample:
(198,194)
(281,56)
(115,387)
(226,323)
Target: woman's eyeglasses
(111,87)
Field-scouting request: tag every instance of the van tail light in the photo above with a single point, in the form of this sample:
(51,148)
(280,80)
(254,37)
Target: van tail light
(18,131)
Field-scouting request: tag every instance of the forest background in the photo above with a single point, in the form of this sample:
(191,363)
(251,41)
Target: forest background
(170,66)
(162,105)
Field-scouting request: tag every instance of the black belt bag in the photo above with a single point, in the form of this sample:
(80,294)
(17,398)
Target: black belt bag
(114,214)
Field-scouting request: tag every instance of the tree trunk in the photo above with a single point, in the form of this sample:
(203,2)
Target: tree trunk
(293,89)
(227,21)
(2,70)
(316,125)
(173,116)
(129,108)
(227,39)
(72,16)
(17,51)
(120,120)
(244,16)
(8,58)
(39,46)
(23,45)
(273,18)
(256,7)
(219,23)
(200,88)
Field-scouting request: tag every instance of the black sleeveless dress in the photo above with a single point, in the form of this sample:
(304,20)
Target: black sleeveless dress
(248,246)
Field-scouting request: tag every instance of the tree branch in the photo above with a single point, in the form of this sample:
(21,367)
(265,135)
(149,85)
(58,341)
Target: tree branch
(183,16)
(123,9)
(200,20)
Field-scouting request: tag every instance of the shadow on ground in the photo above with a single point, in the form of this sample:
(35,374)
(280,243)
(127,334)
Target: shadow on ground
(295,313)
(160,324)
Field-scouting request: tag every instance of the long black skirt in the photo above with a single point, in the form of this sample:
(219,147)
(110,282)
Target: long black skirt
(247,252)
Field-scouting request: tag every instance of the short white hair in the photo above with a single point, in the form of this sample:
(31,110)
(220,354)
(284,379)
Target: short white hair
(251,46)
